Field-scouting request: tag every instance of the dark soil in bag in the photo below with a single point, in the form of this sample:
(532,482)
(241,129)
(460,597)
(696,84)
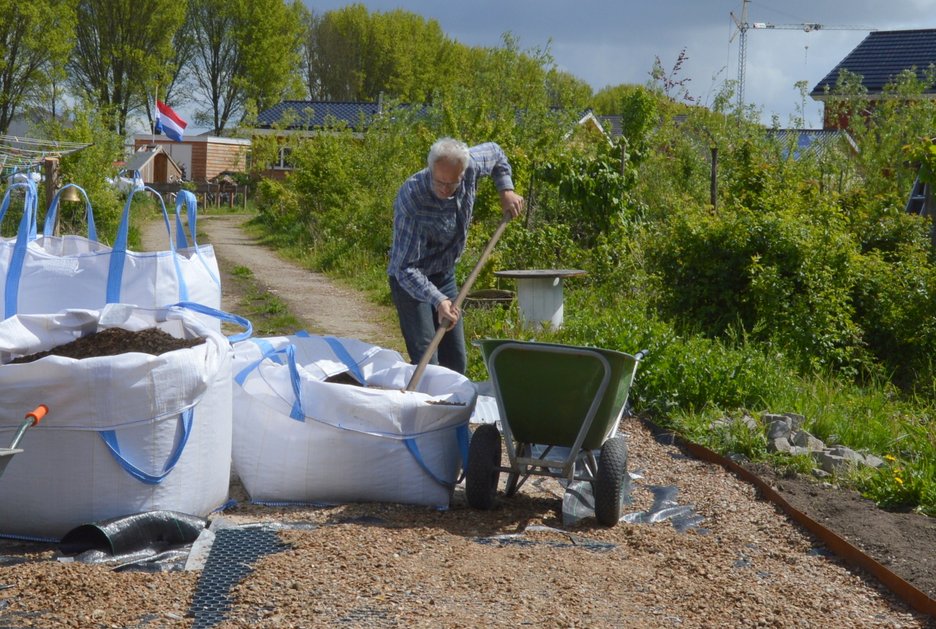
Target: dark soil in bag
(113,341)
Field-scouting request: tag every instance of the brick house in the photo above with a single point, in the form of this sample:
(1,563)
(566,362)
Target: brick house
(302,118)
(878,59)
(202,158)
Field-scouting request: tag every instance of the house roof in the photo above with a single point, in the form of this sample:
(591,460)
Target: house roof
(881,56)
(812,140)
(307,114)
(612,125)
(143,156)
(596,122)
(202,138)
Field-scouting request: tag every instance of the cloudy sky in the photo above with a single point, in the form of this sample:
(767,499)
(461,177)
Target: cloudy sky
(609,42)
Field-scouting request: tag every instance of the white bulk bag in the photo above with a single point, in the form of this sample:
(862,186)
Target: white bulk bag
(49,273)
(124,434)
(300,438)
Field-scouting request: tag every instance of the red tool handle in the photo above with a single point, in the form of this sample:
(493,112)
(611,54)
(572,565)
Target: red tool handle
(37,414)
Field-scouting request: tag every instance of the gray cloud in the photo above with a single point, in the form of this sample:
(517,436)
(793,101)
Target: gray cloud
(608,42)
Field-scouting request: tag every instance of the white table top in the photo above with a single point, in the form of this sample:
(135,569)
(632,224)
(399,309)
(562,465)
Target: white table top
(539,273)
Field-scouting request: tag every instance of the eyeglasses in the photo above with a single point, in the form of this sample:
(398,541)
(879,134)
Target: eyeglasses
(446,185)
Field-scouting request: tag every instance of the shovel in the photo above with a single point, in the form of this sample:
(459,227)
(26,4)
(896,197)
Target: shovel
(33,417)
(442,329)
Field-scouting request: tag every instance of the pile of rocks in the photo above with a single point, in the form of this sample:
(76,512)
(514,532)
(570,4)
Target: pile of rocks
(784,433)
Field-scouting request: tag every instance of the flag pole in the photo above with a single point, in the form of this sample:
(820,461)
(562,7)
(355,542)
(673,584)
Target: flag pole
(153,126)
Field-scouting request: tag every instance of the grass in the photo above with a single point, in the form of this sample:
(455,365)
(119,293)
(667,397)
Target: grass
(268,313)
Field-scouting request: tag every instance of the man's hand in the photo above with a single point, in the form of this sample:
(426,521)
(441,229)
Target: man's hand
(448,314)
(511,203)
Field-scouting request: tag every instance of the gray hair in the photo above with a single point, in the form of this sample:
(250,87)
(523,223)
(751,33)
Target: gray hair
(449,150)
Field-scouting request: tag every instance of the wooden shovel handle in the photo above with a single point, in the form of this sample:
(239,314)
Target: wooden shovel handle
(441,330)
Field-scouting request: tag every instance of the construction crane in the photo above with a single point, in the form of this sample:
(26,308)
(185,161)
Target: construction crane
(743,26)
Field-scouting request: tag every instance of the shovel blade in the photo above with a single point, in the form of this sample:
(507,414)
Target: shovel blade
(6,455)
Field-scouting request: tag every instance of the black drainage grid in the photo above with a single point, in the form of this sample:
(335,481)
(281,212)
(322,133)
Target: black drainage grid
(229,561)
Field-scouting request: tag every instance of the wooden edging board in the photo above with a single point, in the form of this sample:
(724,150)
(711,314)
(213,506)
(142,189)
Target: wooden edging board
(848,552)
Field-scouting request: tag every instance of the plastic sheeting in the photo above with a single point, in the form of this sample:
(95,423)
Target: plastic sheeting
(578,503)
(149,541)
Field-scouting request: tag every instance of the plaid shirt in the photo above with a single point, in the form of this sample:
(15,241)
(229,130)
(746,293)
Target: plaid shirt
(429,233)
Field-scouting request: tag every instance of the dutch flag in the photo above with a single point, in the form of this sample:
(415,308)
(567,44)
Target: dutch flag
(169,122)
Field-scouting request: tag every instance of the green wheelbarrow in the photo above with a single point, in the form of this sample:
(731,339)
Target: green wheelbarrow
(558,405)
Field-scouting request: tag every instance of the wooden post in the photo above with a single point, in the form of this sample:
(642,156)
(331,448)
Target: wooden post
(713,184)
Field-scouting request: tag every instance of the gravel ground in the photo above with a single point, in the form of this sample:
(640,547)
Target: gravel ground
(377,565)
(743,564)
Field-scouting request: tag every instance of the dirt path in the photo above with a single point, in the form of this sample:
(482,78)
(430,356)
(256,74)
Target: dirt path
(321,305)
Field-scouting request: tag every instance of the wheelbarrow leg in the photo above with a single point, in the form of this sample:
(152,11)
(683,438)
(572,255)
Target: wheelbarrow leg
(514,479)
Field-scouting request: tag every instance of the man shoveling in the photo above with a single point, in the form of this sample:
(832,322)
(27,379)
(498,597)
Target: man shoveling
(431,215)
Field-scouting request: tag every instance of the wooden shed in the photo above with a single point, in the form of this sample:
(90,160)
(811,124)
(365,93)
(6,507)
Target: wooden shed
(202,157)
(154,165)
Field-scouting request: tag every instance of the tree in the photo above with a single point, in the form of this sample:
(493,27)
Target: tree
(34,36)
(177,78)
(567,91)
(408,57)
(121,47)
(269,36)
(89,167)
(216,61)
(308,52)
(245,56)
(609,101)
(335,43)
(351,54)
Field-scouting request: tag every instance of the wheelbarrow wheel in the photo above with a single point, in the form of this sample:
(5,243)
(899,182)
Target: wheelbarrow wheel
(611,481)
(484,455)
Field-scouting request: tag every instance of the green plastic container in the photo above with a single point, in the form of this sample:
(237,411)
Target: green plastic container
(546,390)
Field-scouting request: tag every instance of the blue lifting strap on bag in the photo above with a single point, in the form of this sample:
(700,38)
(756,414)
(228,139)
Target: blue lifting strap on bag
(462,435)
(274,354)
(24,234)
(110,439)
(341,353)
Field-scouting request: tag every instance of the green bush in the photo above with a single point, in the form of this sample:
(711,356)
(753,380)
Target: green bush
(280,211)
(894,297)
(785,277)
(89,168)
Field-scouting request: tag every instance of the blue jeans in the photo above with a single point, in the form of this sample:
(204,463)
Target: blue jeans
(419,320)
